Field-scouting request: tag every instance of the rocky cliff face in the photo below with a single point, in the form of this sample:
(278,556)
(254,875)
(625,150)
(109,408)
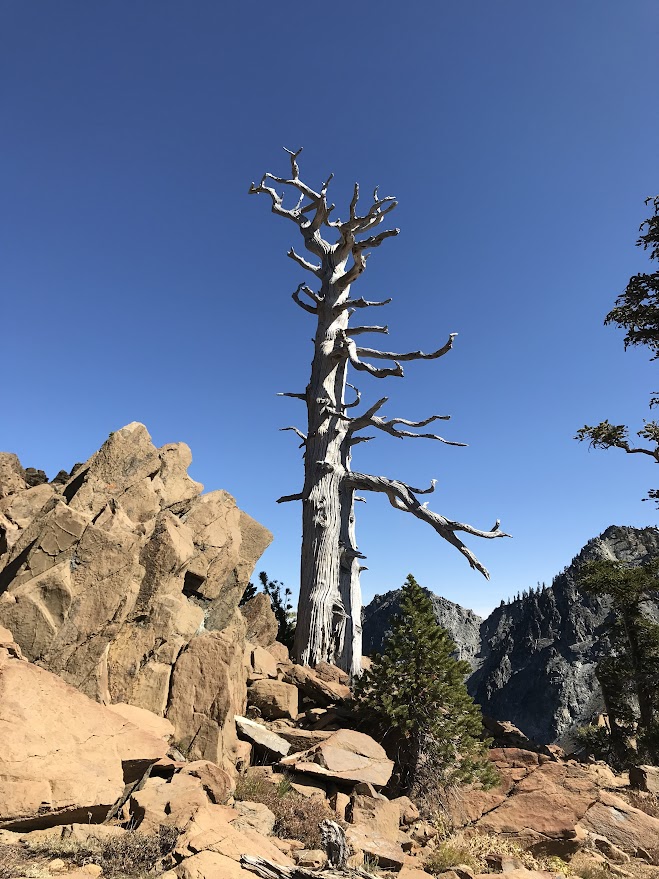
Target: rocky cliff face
(534,658)
(463,625)
(124,579)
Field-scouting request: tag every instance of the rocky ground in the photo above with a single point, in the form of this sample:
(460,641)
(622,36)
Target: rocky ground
(150,726)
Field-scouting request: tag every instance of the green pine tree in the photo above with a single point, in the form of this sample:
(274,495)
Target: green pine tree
(628,674)
(416,694)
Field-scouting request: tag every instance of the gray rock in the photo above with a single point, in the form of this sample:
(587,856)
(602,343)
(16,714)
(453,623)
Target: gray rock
(262,737)
(534,658)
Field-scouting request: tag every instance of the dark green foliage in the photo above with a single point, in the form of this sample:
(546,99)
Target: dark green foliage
(629,673)
(636,311)
(248,594)
(280,599)
(415,692)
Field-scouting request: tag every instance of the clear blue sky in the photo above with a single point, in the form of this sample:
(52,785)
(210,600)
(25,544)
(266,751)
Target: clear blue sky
(141,282)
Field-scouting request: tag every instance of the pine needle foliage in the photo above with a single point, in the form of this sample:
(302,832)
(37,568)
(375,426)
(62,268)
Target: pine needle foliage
(415,692)
(628,674)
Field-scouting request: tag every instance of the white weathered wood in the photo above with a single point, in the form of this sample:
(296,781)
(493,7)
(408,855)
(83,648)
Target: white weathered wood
(329,609)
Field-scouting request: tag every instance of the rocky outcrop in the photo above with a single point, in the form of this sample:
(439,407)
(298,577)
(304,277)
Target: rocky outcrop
(63,757)
(463,625)
(534,658)
(125,580)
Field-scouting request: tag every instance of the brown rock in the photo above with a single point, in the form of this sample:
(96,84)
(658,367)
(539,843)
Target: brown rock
(348,756)
(273,699)
(550,801)
(408,812)
(624,826)
(107,579)
(254,816)
(340,802)
(217,783)
(209,830)
(310,859)
(262,626)
(278,651)
(375,815)
(62,755)
(383,852)
(320,691)
(12,475)
(146,720)
(332,674)
(414,873)
(210,865)
(207,686)
(263,662)
(523,873)
(172,803)
(308,787)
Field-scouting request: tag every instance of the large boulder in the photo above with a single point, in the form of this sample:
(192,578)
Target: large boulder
(63,757)
(124,580)
(346,756)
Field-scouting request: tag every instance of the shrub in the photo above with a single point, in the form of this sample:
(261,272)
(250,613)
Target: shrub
(133,854)
(296,816)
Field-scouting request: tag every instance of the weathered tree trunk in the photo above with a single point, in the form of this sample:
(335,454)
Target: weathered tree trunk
(329,609)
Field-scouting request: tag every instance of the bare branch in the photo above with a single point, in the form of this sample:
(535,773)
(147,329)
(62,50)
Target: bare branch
(412,355)
(293,395)
(360,303)
(376,240)
(277,200)
(353,357)
(297,431)
(290,497)
(301,261)
(355,402)
(305,305)
(402,497)
(357,331)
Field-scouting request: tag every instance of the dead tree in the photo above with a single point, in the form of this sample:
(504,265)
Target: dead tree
(329,611)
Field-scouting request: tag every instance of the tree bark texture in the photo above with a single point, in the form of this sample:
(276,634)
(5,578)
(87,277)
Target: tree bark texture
(329,610)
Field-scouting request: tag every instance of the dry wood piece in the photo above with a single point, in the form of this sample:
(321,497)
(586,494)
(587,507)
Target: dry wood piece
(329,611)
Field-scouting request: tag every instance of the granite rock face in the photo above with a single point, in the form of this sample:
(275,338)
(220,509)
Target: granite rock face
(534,658)
(124,580)
(462,624)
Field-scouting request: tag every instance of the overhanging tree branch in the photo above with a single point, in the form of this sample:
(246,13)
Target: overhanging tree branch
(402,497)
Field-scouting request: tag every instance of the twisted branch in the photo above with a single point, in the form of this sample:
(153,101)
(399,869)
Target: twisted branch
(402,497)
(302,288)
(412,355)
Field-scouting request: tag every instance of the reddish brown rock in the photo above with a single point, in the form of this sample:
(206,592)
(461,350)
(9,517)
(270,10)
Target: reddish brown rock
(63,756)
(347,756)
(208,687)
(308,682)
(549,801)
(209,830)
(107,575)
(262,626)
(376,815)
(624,826)
(274,699)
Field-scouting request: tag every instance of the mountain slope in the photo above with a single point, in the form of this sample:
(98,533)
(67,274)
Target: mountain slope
(534,658)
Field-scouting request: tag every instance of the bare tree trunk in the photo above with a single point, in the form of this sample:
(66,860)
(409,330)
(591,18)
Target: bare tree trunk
(329,609)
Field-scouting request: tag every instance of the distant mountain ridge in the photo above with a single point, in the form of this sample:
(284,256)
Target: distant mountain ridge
(534,658)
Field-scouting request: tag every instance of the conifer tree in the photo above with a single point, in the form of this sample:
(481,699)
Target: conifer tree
(628,674)
(415,692)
